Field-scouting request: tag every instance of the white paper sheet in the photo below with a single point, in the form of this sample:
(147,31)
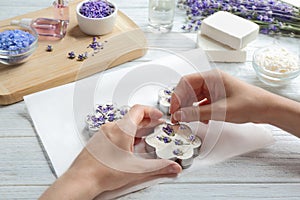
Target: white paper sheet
(58,114)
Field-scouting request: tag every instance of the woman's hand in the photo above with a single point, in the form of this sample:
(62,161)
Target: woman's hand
(108,162)
(225,98)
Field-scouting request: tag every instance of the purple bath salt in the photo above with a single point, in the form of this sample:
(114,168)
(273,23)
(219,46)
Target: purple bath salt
(96,9)
(15,40)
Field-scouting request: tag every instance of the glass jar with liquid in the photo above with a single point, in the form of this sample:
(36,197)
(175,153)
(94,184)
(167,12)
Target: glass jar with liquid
(47,29)
(61,10)
(161,15)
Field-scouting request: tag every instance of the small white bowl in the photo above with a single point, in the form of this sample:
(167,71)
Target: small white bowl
(274,78)
(96,26)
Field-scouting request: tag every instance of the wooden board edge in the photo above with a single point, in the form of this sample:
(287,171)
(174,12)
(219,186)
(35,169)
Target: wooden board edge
(11,98)
(8,97)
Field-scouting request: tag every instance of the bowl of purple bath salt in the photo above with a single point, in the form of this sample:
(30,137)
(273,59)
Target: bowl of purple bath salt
(17,44)
(96,17)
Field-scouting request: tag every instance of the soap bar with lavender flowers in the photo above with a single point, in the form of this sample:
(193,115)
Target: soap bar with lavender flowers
(230,29)
(175,142)
(218,52)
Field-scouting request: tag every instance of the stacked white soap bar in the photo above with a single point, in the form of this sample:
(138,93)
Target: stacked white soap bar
(218,52)
(227,29)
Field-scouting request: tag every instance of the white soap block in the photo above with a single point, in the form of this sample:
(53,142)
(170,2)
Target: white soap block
(230,29)
(218,52)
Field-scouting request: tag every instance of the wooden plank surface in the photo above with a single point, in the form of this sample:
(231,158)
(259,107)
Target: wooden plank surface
(45,70)
(173,191)
(270,173)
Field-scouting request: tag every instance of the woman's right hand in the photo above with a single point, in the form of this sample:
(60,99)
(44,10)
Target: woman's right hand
(225,99)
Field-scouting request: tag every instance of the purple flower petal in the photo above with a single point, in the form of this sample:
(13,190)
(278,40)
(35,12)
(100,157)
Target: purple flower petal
(96,9)
(168,130)
(178,152)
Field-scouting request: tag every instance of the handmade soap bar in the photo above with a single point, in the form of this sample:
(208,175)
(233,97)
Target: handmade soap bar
(218,52)
(174,142)
(229,29)
(103,114)
(164,99)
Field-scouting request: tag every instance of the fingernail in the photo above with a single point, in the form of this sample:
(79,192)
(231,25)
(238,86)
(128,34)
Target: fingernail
(156,114)
(173,169)
(178,116)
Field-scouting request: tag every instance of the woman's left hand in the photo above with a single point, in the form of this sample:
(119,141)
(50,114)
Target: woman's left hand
(108,163)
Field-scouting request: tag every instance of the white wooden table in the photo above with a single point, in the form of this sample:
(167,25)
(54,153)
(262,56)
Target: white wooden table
(270,173)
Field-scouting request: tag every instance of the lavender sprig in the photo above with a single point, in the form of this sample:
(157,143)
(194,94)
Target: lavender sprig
(273,16)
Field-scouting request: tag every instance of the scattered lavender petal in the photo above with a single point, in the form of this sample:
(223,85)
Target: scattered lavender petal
(49,48)
(71,55)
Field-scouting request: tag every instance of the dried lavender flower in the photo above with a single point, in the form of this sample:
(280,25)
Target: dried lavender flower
(104,113)
(80,57)
(95,45)
(71,55)
(96,9)
(49,48)
(273,16)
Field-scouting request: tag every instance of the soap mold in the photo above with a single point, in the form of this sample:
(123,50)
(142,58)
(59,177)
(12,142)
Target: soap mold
(103,114)
(164,99)
(174,142)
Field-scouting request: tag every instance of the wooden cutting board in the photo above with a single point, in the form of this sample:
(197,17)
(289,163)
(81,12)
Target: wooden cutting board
(45,70)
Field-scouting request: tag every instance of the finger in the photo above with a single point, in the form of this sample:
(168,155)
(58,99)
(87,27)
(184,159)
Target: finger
(170,170)
(214,111)
(139,112)
(117,155)
(144,178)
(188,90)
(147,129)
(150,123)
(193,113)
(181,91)
(137,116)
(171,167)
(199,103)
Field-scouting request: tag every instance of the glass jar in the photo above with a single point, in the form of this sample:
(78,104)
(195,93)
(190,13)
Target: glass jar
(161,15)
